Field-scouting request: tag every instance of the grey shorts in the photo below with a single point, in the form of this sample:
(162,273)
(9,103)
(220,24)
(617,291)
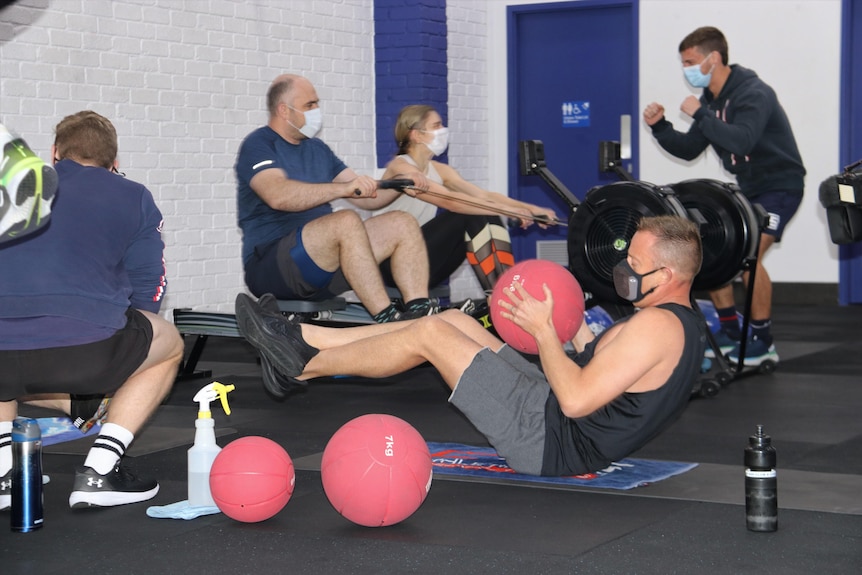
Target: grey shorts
(503,395)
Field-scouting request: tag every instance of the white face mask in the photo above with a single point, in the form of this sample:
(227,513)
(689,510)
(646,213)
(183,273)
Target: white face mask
(313,122)
(440,142)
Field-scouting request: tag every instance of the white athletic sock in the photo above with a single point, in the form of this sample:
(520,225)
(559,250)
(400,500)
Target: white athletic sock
(108,448)
(5,447)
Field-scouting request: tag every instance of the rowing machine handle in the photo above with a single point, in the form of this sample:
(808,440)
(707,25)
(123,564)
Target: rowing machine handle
(398,184)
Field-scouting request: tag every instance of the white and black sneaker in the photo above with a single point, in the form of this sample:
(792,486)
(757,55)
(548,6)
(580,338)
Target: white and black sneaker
(117,487)
(6,491)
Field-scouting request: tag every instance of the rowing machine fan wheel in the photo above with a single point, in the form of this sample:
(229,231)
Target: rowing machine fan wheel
(603,225)
(730,229)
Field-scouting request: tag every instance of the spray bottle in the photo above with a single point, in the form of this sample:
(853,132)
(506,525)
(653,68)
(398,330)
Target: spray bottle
(205,449)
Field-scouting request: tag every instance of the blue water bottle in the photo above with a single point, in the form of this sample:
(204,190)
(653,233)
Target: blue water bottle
(26,475)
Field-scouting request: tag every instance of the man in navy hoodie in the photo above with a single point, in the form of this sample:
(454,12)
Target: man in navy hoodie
(740,117)
(79,302)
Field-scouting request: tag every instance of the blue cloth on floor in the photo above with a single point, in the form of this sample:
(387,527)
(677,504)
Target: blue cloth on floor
(181,510)
(61,429)
(483,462)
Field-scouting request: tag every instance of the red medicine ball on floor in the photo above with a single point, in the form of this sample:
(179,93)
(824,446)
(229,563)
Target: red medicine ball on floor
(376,470)
(252,479)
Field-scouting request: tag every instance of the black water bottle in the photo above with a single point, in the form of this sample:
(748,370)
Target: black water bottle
(26,475)
(761,483)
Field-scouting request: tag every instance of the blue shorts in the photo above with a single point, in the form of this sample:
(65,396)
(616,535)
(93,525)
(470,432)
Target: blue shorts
(781,206)
(284,269)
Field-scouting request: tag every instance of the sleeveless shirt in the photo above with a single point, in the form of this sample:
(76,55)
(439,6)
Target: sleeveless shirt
(590,443)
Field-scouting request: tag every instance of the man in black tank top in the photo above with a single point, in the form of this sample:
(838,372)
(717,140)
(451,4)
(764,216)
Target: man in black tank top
(570,417)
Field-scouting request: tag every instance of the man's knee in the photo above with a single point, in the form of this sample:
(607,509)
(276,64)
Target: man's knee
(345,218)
(438,326)
(167,344)
(401,221)
(766,242)
(333,227)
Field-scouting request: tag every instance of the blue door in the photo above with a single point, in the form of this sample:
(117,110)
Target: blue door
(850,271)
(572,75)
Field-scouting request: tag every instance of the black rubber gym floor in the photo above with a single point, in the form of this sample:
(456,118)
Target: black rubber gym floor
(692,523)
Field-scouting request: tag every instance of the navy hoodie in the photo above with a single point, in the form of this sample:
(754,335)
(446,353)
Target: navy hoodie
(72,282)
(749,130)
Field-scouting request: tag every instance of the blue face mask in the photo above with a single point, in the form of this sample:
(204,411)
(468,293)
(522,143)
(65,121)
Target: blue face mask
(695,77)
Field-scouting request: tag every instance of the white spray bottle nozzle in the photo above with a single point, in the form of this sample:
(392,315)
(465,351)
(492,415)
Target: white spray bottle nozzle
(211,392)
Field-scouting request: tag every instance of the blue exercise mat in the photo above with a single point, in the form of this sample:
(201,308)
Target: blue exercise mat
(484,463)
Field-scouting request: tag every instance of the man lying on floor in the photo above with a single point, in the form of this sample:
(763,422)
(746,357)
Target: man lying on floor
(574,415)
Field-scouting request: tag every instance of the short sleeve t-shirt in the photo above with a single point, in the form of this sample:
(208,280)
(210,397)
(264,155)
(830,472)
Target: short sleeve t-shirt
(310,161)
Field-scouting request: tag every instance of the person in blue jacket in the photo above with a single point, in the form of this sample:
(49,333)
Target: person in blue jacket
(79,302)
(740,116)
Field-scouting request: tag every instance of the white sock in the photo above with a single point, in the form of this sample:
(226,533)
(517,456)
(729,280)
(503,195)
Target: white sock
(5,447)
(108,448)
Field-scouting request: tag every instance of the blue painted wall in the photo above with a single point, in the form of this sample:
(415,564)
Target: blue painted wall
(850,270)
(410,64)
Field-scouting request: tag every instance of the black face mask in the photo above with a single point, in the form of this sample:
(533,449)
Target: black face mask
(628,283)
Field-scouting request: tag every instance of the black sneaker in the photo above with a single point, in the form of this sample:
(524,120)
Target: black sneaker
(269,303)
(6,491)
(274,336)
(467,306)
(278,385)
(421,309)
(117,487)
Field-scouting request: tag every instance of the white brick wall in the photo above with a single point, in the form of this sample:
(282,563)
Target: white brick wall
(468,89)
(466,21)
(184,82)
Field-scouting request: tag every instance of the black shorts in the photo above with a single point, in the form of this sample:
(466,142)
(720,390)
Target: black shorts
(93,368)
(780,206)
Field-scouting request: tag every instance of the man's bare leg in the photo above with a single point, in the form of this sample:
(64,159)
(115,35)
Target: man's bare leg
(449,341)
(340,240)
(54,401)
(761,299)
(134,402)
(397,235)
(723,296)
(139,397)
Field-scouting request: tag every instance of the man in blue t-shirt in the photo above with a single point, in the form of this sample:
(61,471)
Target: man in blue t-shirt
(294,246)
